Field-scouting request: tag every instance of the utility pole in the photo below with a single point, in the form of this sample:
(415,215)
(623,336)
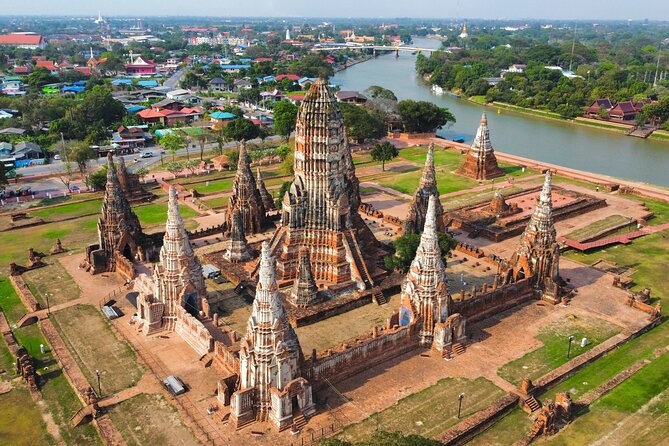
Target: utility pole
(97,372)
(460,398)
(657,65)
(571,338)
(573,46)
(48,307)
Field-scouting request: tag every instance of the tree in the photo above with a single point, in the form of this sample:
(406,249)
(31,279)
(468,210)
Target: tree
(192,165)
(423,116)
(67,176)
(377,92)
(406,247)
(174,167)
(285,116)
(3,177)
(142,172)
(283,151)
(240,129)
(360,123)
(98,179)
(233,158)
(279,199)
(383,152)
(81,153)
(172,142)
(40,76)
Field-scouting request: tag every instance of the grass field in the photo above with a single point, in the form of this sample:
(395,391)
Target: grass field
(156,213)
(430,411)
(10,302)
(68,210)
(218,202)
(598,227)
(150,420)
(95,347)
(554,351)
(6,362)
(21,422)
(52,279)
(505,432)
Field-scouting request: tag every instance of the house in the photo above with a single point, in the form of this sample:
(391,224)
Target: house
(242,84)
(178,94)
(28,151)
(138,66)
(594,110)
(292,77)
(168,117)
(6,149)
(234,68)
(127,139)
(218,84)
(274,96)
(624,111)
(169,104)
(12,131)
(48,65)
(516,68)
(28,41)
(5,114)
(221,118)
(351,97)
(306,82)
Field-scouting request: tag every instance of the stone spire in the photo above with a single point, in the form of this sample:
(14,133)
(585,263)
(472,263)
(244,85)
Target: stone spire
(178,276)
(537,255)
(424,294)
(246,198)
(304,289)
(270,352)
(427,188)
(239,250)
(480,162)
(267,199)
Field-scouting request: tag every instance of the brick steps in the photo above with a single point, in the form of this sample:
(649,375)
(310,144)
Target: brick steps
(531,404)
(457,349)
(378,297)
(299,422)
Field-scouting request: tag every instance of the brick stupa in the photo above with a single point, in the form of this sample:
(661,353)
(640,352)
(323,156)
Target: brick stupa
(480,162)
(246,198)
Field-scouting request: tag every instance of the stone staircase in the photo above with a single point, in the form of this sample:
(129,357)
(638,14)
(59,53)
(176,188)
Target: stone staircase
(378,297)
(531,404)
(457,349)
(299,421)
(357,258)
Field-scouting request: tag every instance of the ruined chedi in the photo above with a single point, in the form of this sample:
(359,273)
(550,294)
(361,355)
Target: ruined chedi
(246,198)
(538,254)
(119,231)
(480,162)
(177,279)
(267,199)
(239,250)
(270,386)
(424,295)
(427,188)
(320,210)
(304,289)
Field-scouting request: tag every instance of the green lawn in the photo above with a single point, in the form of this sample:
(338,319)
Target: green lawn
(10,302)
(68,210)
(430,411)
(222,185)
(21,423)
(598,227)
(219,202)
(95,347)
(506,431)
(554,351)
(6,362)
(52,279)
(156,213)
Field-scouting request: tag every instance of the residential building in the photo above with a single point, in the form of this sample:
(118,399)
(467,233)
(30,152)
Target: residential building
(351,97)
(28,41)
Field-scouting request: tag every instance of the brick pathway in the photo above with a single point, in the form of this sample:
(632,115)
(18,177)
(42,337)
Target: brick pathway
(623,238)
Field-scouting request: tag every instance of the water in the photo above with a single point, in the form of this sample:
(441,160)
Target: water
(555,142)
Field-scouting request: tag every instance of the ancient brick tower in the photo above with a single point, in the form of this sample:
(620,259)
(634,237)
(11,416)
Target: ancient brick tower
(427,188)
(320,210)
(267,199)
(239,250)
(130,184)
(246,198)
(480,162)
(424,294)
(538,254)
(119,231)
(270,385)
(177,278)
(304,289)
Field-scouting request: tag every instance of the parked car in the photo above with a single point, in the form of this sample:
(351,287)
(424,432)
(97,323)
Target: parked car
(56,157)
(147,154)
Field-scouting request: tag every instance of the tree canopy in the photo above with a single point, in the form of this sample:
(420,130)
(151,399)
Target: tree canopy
(240,129)
(360,123)
(383,152)
(377,92)
(423,116)
(172,142)
(406,247)
(285,116)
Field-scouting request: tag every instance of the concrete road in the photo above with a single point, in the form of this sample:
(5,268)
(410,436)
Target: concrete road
(173,81)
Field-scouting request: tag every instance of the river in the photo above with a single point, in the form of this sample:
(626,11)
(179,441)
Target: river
(560,143)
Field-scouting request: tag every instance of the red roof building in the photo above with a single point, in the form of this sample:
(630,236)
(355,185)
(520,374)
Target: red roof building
(48,64)
(21,40)
(600,104)
(624,111)
(140,67)
(292,77)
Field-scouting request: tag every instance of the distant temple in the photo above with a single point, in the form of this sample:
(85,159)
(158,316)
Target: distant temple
(246,198)
(271,387)
(427,188)
(538,255)
(320,210)
(480,162)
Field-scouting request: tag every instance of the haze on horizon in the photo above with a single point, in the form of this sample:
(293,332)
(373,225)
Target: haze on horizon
(484,9)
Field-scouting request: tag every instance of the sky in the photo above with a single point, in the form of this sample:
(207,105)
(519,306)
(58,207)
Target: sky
(486,9)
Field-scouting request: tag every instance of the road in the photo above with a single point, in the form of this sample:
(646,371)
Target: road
(173,81)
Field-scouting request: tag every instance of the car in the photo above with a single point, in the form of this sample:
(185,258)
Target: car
(147,154)
(56,157)
(220,279)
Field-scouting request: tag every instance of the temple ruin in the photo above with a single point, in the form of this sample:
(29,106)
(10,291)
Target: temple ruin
(267,199)
(130,184)
(239,250)
(427,188)
(480,162)
(246,198)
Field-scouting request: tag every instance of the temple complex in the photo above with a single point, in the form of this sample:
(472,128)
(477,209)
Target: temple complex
(239,250)
(271,387)
(480,162)
(424,293)
(320,210)
(538,254)
(427,188)
(120,237)
(267,199)
(246,198)
(177,282)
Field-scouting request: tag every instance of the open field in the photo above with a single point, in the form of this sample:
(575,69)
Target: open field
(555,338)
(10,302)
(95,347)
(506,431)
(218,202)
(54,280)
(150,420)
(68,210)
(430,411)
(598,227)
(21,423)
(156,213)
(6,362)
